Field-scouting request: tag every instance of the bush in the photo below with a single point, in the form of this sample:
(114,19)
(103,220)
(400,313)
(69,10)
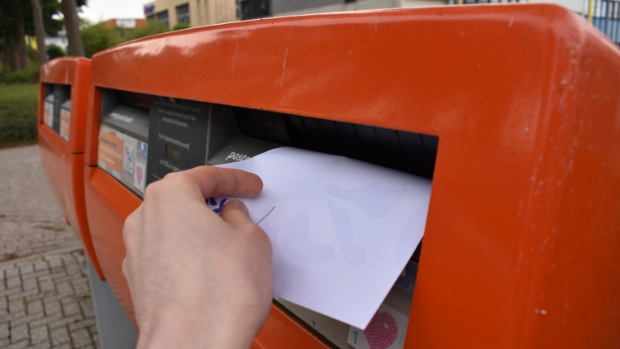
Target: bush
(54,51)
(180,26)
(18,114)
(27,75)
(150,28)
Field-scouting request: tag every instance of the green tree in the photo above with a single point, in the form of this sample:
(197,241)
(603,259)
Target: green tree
(99,37)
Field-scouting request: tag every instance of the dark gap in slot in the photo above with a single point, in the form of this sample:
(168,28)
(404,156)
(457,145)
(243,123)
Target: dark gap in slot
(351,142)
(316,136)
(298,135)
(392,149)
(133,99)
(371,147)
(404,151)
(430,145)
(415,152)
(270,131)
(280,127)
(333,137)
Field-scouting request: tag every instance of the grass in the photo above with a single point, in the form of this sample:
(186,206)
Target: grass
(18,114)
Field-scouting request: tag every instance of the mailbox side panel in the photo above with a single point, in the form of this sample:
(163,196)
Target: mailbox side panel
(64,161)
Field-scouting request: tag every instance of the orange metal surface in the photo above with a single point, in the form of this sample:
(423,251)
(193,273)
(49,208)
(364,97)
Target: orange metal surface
(522,243)
(64,161)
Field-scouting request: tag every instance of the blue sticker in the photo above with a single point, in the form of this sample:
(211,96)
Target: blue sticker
(214,205)
(143,149)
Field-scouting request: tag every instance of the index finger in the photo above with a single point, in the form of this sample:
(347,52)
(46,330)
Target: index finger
(215,181)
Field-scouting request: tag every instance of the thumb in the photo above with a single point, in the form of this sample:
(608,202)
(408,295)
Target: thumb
(235,213)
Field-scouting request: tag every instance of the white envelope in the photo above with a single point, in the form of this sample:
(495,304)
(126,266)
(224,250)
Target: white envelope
(342,230)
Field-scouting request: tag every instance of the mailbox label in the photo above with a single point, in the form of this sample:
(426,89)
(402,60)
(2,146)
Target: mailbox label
(65,124)
(48,114)
(110,153)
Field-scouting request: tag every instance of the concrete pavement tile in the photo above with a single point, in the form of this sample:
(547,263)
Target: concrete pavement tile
(64,288)
(45,320)
(4,331)
(16,321)
(26,269)
(34,307)
(71,308)
(82,324)
(41,345)
(17,306)
(18,345)
(39,334)
(65,321)
(81,338)
(41,266)
(52,307)
(13,282)
(59,336)
(19,333)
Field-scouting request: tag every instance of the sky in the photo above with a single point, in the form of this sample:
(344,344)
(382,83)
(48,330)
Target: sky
(101,10)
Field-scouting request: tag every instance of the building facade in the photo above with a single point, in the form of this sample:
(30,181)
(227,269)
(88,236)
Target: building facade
(191,12)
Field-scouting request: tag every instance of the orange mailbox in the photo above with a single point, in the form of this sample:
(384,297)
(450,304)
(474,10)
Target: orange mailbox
(513,111)
(63,98)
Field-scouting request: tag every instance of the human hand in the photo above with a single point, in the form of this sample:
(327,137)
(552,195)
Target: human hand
(198,280)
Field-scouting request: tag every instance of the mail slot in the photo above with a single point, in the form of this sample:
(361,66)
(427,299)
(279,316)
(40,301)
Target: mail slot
(63,100)
(506,108)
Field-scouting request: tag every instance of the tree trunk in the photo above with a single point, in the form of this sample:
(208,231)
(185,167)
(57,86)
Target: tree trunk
(11,52)
(72,25)
(39,30)
(21,37)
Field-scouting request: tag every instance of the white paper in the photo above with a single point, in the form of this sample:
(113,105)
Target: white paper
(342,230)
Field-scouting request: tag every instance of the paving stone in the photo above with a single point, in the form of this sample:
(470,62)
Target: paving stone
(34,307)
(39,334)
(45,320)
(52,307)
(13,282)
(25,319)
(19,333)
(82,324)
(4,331)
(41,345)
(44,293)
(65,321)
(59,336)
(71,308)
(18,345)
(81,338)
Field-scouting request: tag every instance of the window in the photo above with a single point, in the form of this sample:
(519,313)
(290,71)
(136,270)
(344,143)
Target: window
(162,17)
(183,13)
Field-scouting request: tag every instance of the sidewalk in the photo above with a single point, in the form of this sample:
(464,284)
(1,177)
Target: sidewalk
(45,299)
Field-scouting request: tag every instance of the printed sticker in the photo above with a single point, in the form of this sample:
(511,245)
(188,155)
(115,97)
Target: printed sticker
(214,205)
(65,124)
(143,149)
(139,176)
(128,158)
(386,330)
(110,154)
(48,114)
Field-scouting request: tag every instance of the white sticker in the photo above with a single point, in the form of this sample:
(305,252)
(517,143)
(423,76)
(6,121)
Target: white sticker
(139,176)
(48,114)
(128,158)
(386,330)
